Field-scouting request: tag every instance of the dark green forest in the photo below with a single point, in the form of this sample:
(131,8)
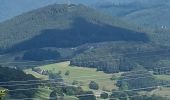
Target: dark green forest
(40,55)
(83,35)
(7,75)
(123,56)
(58,26)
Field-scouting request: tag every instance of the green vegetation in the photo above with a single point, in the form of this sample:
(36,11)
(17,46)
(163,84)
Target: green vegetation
(163,92)
(45,95)
(122,56)
(78,74)
(51,26)
(40,54)
(8,74)
(134,11)
(141,79)
(137,80)
(152,97)
(114,77)
(93,85)
(83,38)
(87,97)
(79,35)
(130,96)
(104,95)
(67,73)
(150,17)
(163,77)
(53,95)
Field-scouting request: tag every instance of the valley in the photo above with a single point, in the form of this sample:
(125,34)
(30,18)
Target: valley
(80,74)
(85,75)
(111,50)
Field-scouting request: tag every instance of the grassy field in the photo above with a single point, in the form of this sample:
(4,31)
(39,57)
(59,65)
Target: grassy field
(81,74)
(44,95)
(165,92)
(163,77)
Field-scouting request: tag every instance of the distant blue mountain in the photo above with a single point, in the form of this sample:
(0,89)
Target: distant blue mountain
(149,13)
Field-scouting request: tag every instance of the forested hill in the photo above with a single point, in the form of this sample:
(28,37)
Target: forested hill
(9,78)
(63,26)
(123,56)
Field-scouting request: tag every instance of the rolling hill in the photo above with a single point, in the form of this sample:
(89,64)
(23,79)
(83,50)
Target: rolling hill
(123,56)
(9,9)
(58,26)
(151,13)
(143,13)
(8,74)
(80,34)
(77,36)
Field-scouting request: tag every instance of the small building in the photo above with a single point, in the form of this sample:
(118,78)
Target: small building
(40,71)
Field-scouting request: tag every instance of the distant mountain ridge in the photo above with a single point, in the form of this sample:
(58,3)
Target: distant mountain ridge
(9,9)
(153,13)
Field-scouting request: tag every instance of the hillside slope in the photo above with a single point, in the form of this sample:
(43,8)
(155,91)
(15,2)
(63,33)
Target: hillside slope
(153,13)
(123,56)
(9,9)
(64,26)
(80,34)
(151,16)
(10,77)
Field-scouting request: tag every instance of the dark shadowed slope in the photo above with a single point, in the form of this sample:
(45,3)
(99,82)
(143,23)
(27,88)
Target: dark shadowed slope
(64,26)
(82,32)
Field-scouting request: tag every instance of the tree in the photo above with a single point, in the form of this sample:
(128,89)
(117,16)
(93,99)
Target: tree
(114,77)
(71,90)
(146,97)
(8,74)
(40,55)
(53,95)
(124,85)
(137,80)
(59,72)
(75,82)
(93,85)
(67,73)
(55,76)
(118,96)
(87,96)
(104,95)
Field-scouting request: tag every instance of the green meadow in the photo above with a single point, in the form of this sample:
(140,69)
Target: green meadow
(81,74)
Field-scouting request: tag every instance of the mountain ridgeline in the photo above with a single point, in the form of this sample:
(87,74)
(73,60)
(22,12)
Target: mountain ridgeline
(63,26)
(82,35)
